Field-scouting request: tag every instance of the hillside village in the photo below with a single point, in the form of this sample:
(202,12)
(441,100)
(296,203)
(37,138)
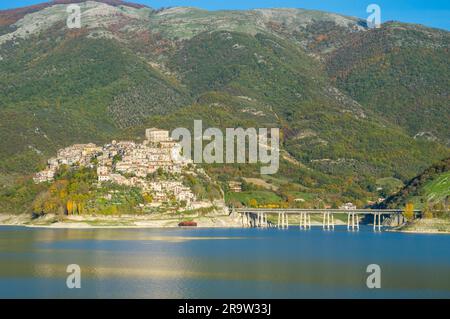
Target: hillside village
(130,164)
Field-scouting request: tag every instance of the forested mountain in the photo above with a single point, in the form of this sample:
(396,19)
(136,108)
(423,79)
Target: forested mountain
(355,105)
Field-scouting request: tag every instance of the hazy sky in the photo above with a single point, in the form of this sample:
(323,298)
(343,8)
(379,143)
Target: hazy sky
(434,13)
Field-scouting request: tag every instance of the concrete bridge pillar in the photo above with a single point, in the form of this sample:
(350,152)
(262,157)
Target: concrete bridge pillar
(259,218)
(348,221)
(284,220)
(305,221)
(328,221)
(377,221)
(352,221)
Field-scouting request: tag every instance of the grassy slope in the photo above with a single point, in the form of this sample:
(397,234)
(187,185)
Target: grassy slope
(432,186)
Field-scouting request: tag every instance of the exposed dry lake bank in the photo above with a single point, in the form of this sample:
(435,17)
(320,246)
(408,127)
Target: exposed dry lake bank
(422,226)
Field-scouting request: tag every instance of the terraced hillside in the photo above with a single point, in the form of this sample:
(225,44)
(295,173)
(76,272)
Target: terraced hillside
(431,188)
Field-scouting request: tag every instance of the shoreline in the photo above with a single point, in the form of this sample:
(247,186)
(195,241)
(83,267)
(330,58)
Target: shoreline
(423,232)
(114,222)
(162,221)
(84,226)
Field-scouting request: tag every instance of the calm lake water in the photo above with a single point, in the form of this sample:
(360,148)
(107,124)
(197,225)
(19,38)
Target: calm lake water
(221,263)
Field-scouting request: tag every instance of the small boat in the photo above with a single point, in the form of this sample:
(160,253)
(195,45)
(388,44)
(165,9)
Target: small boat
(187,224)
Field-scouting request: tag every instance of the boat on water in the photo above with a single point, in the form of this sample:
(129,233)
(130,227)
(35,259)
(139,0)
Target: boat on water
(188,224)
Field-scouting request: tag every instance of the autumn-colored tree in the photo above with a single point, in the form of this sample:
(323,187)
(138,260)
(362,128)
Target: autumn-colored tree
(253,203)
(69,207)
(148,198)
(409,211)
(284,205)
(51,206)
(290,199)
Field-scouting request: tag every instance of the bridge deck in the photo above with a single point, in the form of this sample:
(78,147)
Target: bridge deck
(318,211)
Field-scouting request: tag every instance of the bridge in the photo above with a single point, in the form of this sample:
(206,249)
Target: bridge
(258,217)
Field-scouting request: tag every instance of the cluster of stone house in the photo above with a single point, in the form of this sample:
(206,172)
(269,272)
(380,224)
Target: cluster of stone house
(143,160)
(128,163)
(75,155)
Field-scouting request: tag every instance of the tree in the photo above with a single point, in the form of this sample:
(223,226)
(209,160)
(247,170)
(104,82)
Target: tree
(427,213)
(147,198)
(253,203)
(69,207)
(409,211)
(80,208)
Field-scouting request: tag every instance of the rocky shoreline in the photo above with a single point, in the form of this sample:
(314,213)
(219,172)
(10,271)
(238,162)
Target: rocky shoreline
(165,220)
(124,221)
(426,226)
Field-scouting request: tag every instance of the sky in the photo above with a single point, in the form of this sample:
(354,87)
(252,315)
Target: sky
(434,13)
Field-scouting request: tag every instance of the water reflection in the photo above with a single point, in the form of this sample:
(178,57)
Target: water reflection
(183,263)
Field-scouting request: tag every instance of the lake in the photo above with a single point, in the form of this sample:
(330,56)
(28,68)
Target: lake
(222,263)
